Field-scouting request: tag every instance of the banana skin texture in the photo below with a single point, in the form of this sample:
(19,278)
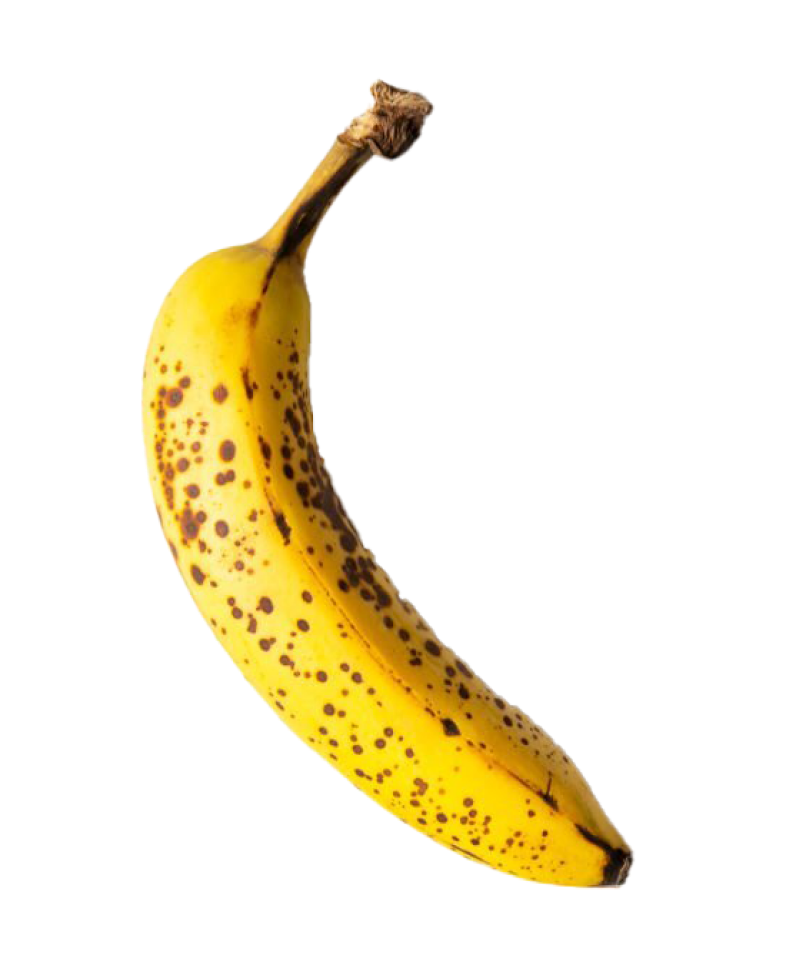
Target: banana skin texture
(279,571)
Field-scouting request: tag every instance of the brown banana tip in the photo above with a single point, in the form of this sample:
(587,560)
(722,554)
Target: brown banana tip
(393,123)
(618,865)
(618,860)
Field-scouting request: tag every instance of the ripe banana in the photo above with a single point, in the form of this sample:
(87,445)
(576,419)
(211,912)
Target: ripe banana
(276,566)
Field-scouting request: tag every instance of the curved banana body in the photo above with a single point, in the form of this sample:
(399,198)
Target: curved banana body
(279,571)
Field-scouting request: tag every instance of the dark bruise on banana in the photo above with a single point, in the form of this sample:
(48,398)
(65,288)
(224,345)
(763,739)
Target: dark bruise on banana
(281,574)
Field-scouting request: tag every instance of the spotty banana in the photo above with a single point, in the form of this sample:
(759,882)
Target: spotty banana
(278,569)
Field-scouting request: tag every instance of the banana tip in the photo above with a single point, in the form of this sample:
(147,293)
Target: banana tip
(618,860)
(618,863)
(392,125)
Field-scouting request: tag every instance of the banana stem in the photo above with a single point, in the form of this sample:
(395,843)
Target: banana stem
(387,129)
(293,231)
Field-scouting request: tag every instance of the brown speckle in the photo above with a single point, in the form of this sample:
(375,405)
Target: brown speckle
(197,574)
(189,525)
(247,384)
(265,448)
(283,526)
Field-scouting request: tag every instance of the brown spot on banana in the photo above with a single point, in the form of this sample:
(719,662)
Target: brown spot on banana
(197,574)
(282,526)
(248,386)
(469,854)
(279,518)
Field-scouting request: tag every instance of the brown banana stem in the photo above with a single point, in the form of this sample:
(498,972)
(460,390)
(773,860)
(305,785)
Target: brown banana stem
(387,129)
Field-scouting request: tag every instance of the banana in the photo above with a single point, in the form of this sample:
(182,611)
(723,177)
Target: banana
(278,569)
